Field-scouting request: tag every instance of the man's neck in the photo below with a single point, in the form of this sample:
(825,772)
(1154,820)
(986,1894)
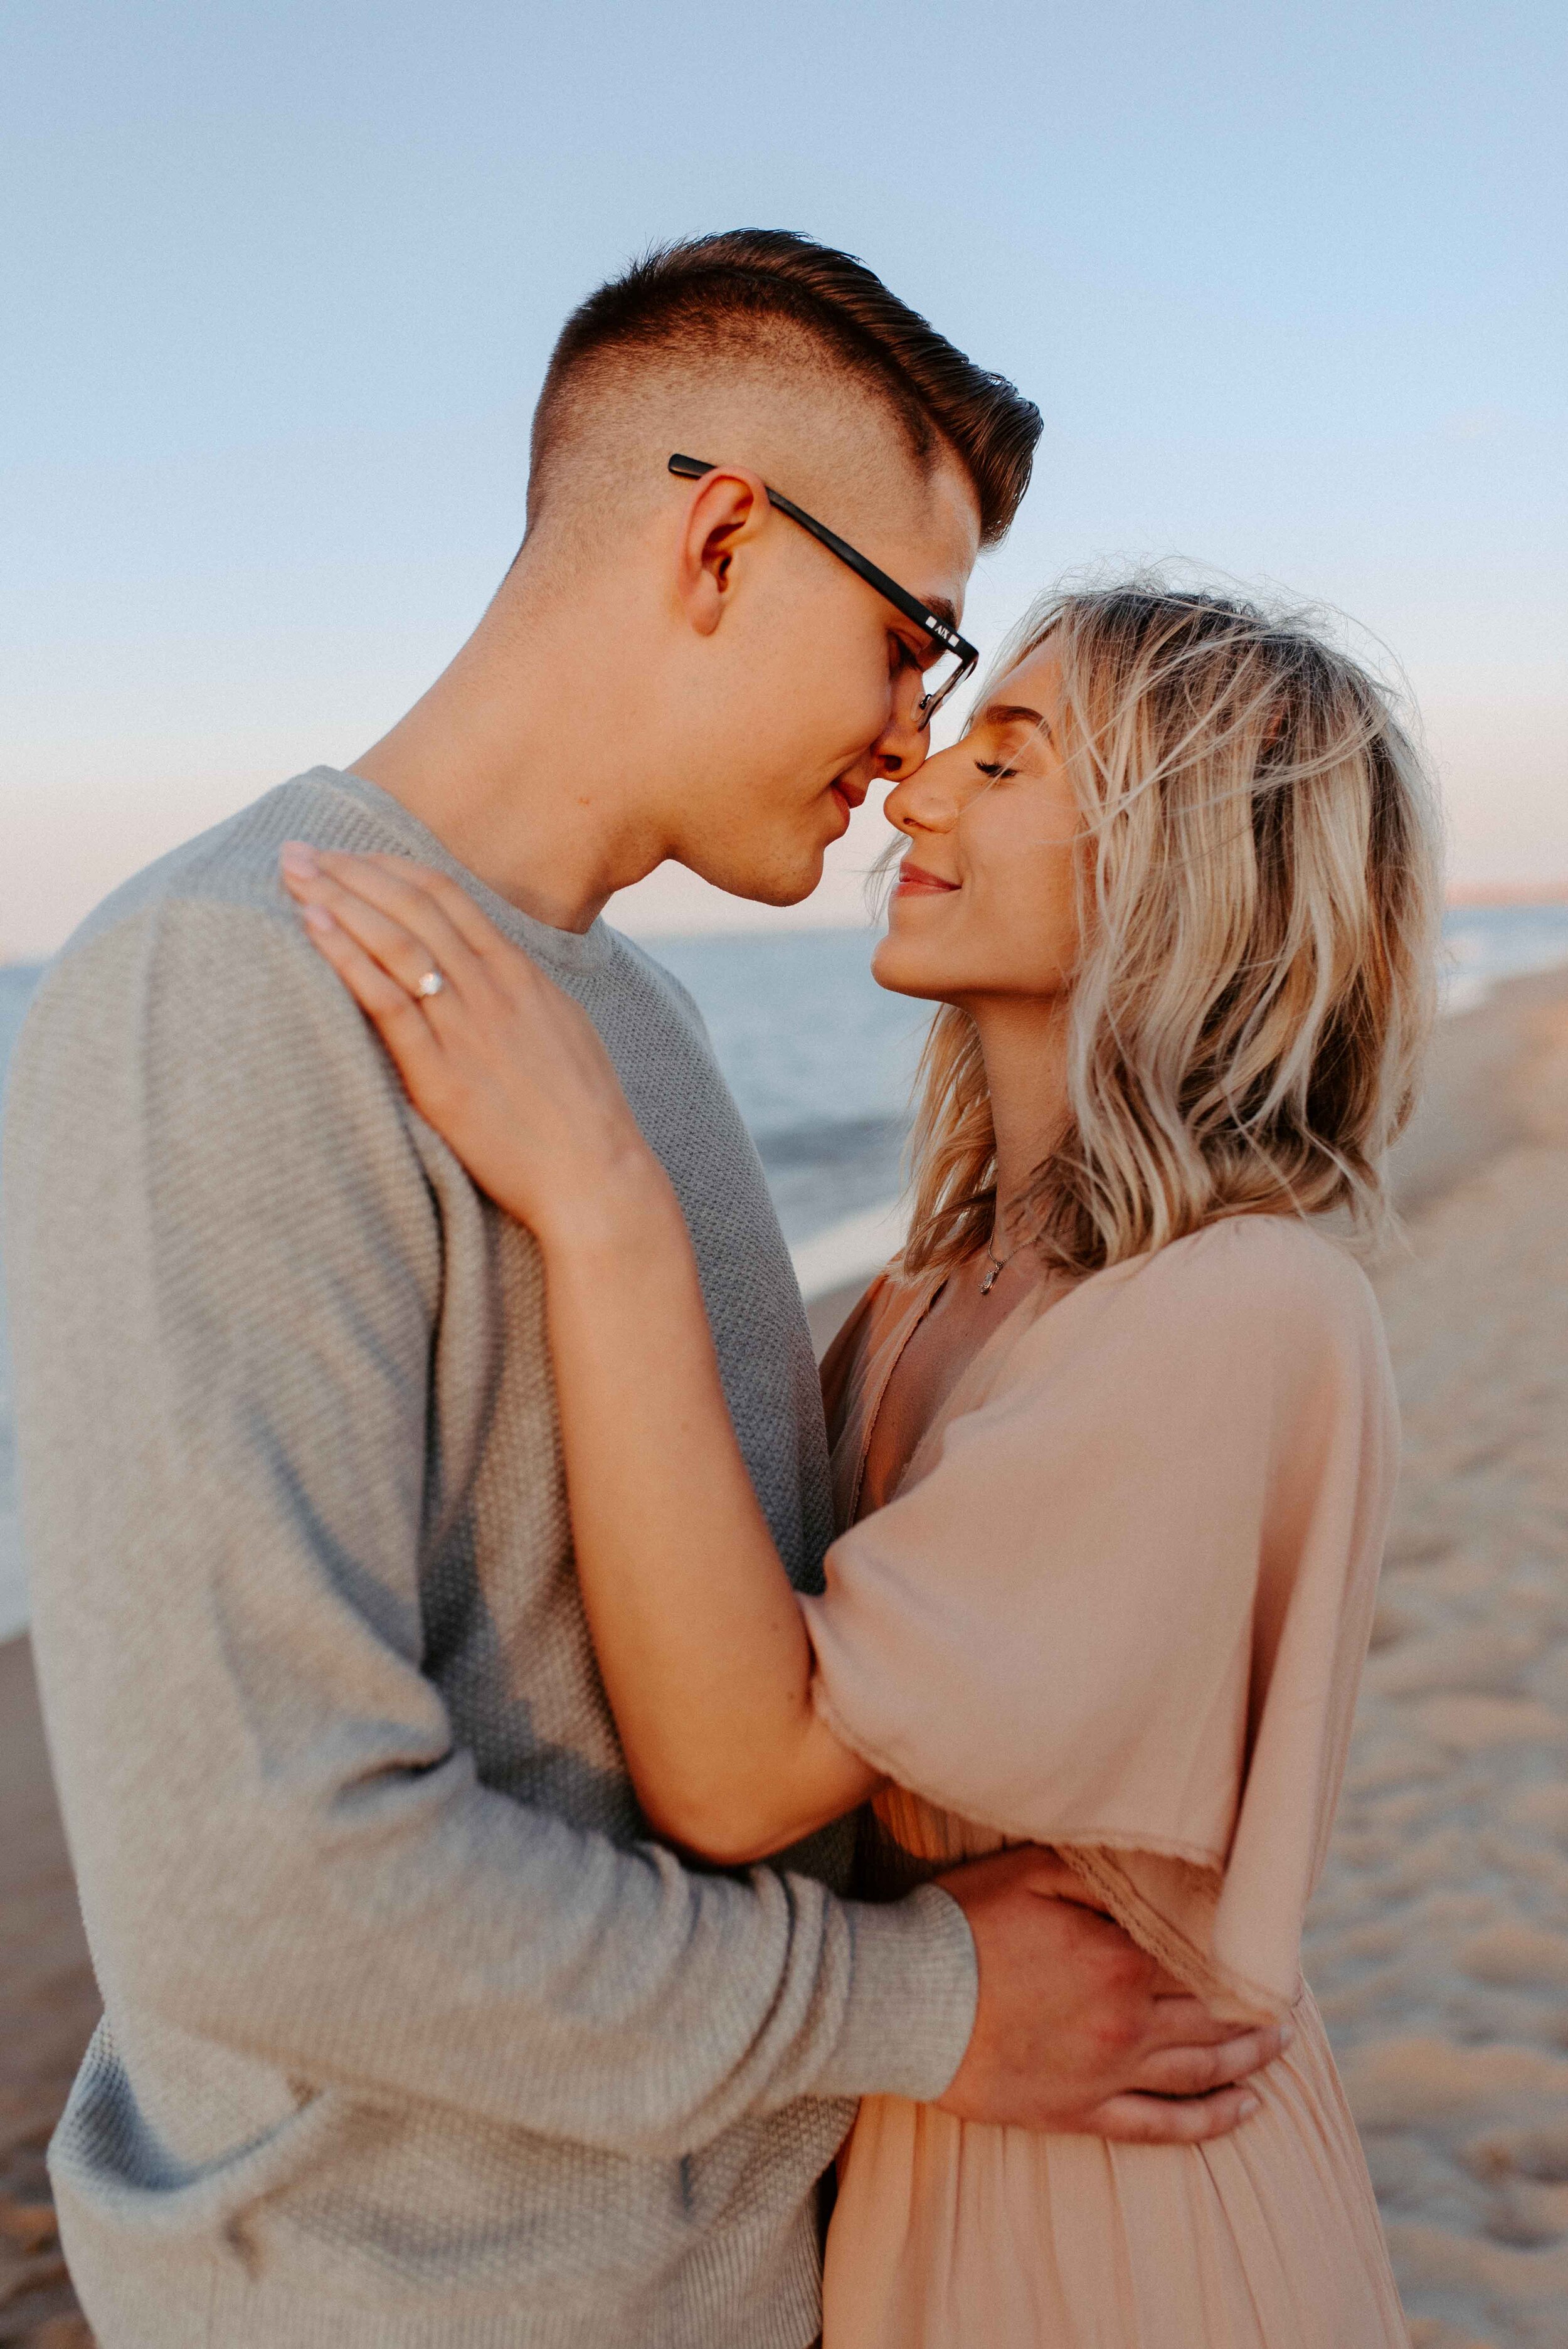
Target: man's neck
(496,760)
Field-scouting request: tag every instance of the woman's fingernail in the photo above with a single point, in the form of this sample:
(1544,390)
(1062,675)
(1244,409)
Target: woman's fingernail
(1286,2034)
(1249,2106)
(316,917)
(295,857)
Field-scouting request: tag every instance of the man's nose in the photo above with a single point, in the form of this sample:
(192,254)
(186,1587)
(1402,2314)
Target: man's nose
(901,748)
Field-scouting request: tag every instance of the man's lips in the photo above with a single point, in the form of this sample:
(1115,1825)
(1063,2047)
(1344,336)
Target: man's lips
(915,880)
(852,795)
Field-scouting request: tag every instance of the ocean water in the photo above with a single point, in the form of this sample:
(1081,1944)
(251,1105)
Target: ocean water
(820,1060)
(822,1063)
(16,984)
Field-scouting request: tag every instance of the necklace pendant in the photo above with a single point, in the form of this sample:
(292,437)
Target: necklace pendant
(989,1283)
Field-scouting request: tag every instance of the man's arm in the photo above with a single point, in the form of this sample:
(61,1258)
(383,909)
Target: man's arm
(227,1269)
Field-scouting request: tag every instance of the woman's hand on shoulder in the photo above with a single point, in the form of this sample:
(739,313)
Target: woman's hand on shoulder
(509,1071)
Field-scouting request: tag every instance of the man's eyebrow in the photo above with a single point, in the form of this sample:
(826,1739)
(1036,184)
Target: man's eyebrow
(944,608)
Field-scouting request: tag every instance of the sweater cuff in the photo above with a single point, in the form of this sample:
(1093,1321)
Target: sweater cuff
(913,1984)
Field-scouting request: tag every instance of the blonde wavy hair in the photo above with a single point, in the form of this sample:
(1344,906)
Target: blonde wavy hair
(1259,898)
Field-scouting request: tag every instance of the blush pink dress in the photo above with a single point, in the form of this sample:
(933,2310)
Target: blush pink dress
(1119,1604)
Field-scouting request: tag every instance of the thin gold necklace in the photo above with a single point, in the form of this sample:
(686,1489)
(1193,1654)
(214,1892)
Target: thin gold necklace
(998,1265)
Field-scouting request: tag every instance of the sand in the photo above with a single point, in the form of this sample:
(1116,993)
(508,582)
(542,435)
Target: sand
(1439,1942)
(48,2006)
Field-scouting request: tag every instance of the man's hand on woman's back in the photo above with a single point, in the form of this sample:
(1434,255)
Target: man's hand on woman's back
(1078,2030)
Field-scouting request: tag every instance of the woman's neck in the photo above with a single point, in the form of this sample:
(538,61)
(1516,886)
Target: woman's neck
(1024,1042)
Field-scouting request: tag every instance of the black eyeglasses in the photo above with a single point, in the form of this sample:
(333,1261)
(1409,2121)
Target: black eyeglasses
(954,659)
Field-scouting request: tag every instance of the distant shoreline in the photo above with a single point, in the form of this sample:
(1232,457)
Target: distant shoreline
(1461,898)
(1466,894)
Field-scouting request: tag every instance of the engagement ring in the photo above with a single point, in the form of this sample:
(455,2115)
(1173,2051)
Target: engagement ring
(431,984)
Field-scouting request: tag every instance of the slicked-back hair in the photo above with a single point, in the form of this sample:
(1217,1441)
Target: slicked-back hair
(715,295)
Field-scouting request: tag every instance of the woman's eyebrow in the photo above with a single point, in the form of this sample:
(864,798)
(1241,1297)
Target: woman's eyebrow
(1002,713)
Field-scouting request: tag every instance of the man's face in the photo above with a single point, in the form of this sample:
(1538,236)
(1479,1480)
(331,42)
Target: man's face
(810,687)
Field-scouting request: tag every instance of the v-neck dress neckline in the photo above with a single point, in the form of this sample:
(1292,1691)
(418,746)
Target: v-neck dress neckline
(893,1308)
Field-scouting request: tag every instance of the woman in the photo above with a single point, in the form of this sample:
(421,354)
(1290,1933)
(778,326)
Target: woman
(1114,1442)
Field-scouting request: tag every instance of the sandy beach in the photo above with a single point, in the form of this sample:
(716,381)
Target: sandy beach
(48,2006)
(1439,1942)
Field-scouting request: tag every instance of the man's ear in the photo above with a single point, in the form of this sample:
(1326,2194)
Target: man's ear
(726,510)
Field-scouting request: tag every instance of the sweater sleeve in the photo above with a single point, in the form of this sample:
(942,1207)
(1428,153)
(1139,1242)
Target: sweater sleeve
(231,1262)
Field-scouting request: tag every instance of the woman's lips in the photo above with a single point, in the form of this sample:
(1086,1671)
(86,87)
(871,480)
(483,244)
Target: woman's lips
(915,880)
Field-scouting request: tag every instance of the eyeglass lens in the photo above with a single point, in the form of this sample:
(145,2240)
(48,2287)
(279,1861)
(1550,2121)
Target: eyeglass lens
(938,680)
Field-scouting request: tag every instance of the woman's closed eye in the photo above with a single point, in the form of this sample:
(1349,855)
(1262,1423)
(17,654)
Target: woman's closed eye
(993,768)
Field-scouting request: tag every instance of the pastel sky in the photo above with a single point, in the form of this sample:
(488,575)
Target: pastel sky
(279,283)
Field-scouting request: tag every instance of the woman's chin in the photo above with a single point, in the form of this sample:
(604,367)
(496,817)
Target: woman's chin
(904,973)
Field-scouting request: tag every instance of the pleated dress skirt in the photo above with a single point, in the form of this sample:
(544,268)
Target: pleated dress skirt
(951,2234)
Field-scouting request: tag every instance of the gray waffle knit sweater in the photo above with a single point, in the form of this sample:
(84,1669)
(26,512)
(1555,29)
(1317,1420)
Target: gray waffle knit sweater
(411,2037)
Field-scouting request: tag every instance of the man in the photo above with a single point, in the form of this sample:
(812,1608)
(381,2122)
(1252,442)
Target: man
(411,2037)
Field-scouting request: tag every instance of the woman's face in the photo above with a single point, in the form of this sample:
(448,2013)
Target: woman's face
(986,905)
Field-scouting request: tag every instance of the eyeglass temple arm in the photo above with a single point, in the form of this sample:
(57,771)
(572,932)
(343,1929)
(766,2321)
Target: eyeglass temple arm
(691,468)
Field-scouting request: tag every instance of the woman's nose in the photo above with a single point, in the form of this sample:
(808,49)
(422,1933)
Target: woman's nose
(925,801)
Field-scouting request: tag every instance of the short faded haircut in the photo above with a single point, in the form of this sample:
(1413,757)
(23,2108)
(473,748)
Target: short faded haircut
(738,295)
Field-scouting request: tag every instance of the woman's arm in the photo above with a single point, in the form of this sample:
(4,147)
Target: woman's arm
(699,1637)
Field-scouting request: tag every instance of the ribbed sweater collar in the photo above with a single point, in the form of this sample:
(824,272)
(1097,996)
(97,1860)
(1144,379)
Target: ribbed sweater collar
(577,951)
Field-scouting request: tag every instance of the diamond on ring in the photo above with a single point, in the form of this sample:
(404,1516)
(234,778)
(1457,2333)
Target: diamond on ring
(431,984)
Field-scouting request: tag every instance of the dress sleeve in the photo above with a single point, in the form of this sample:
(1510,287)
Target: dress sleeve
(1124,1612)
